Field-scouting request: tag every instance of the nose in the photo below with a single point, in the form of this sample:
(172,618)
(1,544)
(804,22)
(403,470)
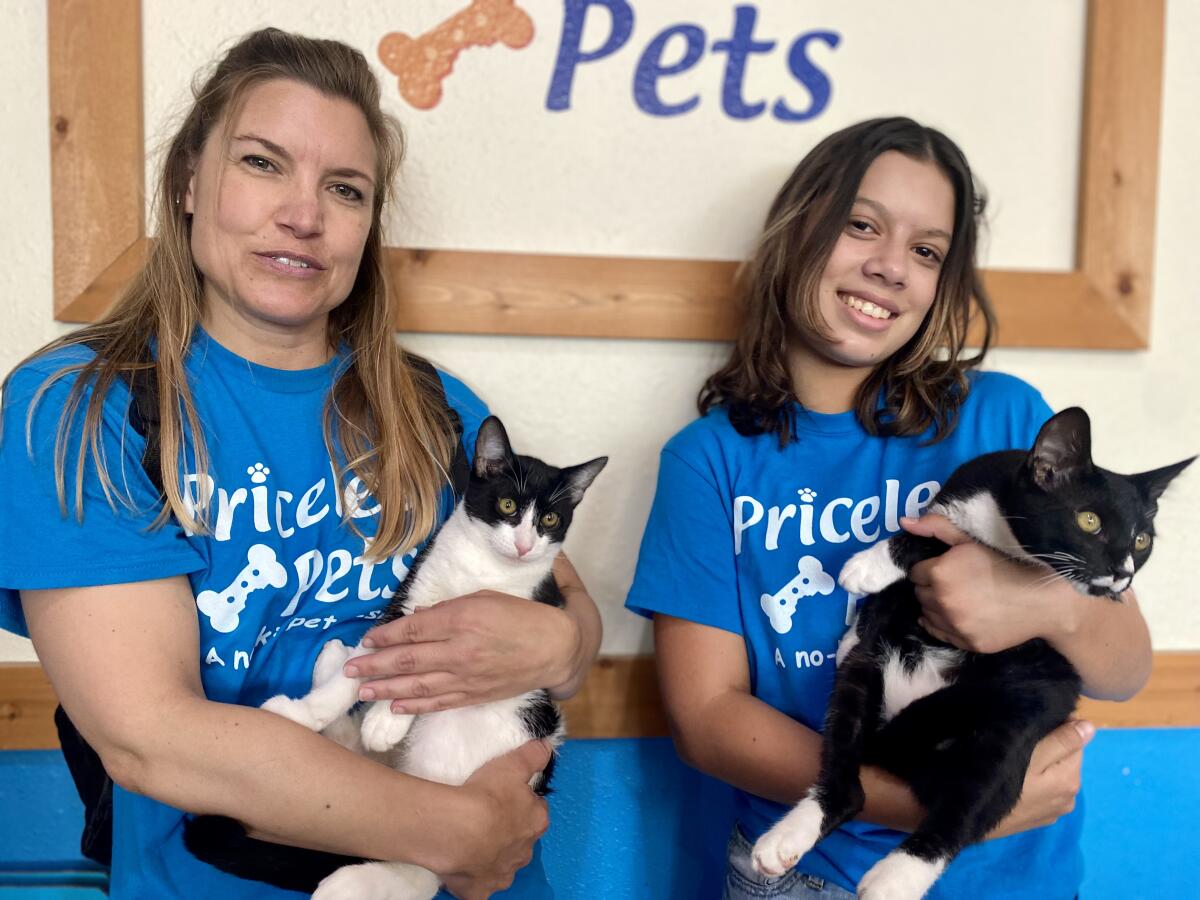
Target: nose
(888,263)
(301,214)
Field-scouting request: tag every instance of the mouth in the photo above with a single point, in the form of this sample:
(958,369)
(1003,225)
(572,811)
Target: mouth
(869,306)
(298,262)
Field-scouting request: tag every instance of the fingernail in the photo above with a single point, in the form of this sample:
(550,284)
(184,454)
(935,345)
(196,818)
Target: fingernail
(368,642)
(366,694)
(399,709)
(1086,730)
(350,671)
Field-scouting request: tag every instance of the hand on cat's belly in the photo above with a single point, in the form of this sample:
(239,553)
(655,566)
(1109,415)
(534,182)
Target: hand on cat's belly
(978,600)
(468,650)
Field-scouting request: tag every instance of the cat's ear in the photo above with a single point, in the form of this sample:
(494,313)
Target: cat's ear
(577,479)
(493,452)
(1063,449)
(1153,483)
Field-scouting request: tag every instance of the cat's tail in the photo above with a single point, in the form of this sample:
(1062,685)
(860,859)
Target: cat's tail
(223,842)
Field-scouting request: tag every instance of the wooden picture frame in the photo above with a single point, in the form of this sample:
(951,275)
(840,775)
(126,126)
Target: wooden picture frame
(97,153)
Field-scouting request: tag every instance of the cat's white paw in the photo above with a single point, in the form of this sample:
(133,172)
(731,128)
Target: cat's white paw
(383,729)
(870,571)
(330,661)
(899,876)
(296,710)
(791,837)
(378,881)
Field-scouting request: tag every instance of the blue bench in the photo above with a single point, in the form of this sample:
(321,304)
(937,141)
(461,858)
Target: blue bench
(630,821)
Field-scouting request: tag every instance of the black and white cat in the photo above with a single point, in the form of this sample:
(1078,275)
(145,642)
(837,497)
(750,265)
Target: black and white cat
(960,727)
(504,535)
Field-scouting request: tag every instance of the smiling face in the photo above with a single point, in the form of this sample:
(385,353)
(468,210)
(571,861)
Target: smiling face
(281,206)
(882,274)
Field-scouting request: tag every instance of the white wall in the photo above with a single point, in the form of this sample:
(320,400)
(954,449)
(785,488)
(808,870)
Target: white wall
(570,399)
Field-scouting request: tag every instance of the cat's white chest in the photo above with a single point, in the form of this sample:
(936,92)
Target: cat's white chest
(902,687)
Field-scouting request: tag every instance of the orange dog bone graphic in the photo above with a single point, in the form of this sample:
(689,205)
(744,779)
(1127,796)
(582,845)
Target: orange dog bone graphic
(420,64)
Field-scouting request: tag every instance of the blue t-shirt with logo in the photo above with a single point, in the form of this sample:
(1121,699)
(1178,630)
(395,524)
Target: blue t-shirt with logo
(749,538)
(277,577)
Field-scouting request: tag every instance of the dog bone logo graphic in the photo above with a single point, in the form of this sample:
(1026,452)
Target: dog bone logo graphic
(420,64)
(223,608)
(781,606)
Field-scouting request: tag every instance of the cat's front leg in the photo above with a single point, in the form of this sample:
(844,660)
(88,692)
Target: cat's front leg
(383,729)
(329,698)
(378,881)
(870,571)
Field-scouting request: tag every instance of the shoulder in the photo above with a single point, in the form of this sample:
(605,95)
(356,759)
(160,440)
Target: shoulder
(49,377)
(997,401)
(461,398)
(701,438)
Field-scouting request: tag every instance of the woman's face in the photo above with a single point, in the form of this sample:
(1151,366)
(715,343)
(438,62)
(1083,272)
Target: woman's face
(882,275)
(281,213)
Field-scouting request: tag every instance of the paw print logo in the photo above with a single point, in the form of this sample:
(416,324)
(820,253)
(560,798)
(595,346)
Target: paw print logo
(258,473)
(808,495)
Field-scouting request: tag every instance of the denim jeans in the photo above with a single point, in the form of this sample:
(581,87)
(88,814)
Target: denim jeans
(743,883)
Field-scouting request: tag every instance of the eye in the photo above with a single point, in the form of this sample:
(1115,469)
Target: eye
(348,192)
(860,226)
(1142,541)
(928,253)
(549,520)
(258,162)
(1088,521)
(506,505)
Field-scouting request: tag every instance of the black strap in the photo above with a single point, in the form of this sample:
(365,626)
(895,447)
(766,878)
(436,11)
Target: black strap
(91,780)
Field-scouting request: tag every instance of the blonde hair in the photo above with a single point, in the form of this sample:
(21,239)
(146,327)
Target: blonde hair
(384,419)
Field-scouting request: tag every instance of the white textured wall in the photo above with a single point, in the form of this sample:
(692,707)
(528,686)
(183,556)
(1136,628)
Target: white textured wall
(570,399)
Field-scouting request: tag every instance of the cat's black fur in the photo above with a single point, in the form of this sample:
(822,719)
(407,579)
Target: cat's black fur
(496,472)
(965,747)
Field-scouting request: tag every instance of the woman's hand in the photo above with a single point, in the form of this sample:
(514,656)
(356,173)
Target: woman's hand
(1051,781)
(506,818)
(976,599)
(473,649)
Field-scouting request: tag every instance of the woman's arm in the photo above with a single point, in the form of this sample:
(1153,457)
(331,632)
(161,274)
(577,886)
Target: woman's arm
(124,662)
(484,646)
(976,599)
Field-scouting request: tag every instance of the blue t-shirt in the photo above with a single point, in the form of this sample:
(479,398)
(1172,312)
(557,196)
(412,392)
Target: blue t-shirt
(749,538)
(278,576)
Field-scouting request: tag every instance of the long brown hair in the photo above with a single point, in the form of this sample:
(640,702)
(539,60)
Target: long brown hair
(382,421)
(924,382)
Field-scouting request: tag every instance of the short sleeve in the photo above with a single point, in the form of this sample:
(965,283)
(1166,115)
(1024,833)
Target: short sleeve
(44,546)
(469,407)
(686,566)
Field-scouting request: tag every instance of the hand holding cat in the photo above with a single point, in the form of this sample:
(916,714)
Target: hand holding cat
(467,650)
(975,599)
(504,821)
(1051,781)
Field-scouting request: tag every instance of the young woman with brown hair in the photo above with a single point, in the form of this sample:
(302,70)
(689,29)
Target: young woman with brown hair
(303,457)
(845,403)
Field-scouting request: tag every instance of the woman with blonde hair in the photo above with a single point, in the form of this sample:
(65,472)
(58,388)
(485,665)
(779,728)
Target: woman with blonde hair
(235,466)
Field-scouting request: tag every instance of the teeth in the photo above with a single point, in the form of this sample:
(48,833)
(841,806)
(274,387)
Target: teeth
(866,307)
(294,263)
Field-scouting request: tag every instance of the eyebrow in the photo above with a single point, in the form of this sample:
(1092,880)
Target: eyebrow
(287,157)
(883,211)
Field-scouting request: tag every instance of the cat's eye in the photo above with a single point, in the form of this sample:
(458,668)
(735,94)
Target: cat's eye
(1088,521)
(549,520)
(506,505)
(1142,541)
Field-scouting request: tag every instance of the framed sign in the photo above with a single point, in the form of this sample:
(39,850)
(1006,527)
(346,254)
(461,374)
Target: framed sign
(1102,300)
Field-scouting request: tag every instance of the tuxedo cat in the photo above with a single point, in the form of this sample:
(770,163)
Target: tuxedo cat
(504,535)
(960,727)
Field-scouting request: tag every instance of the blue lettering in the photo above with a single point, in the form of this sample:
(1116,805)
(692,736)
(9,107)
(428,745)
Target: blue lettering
(570,52)
(816,81)
(739,47)
(650,69)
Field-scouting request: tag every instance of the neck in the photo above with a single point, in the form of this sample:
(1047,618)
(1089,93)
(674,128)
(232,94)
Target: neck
(266,343)
(821,385)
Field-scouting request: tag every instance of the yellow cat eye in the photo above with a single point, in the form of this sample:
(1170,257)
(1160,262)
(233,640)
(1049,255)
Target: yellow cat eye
(549,520)
(1142,541)
(1088,521)
(506,505)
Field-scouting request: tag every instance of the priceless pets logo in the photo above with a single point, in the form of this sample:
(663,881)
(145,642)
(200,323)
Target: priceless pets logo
(665,64)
